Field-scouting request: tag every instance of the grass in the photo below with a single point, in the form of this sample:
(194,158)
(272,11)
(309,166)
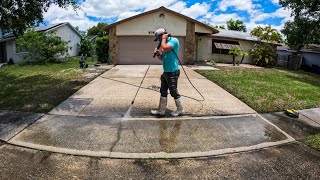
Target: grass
(269,90)
(39,88)
(314,141)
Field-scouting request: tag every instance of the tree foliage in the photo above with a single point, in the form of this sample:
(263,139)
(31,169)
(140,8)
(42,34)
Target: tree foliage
(304,29)
(264,52)
(97,30)
(17,15)
(219,27)
(85,47)
(41,47)
(236,25)
(237,52)
(102,47)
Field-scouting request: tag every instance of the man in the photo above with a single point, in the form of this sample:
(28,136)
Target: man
(168,53)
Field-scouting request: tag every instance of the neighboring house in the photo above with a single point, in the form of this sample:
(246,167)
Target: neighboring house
(65,30)
(310,54)
(131,39)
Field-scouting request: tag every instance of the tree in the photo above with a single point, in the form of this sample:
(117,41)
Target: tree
(102,47)
(236,25)
(41,47)
(85,47)
(18,15)
(304,29)
(219,27)
(264,51)
(97,30)
(234,52)
(237,52)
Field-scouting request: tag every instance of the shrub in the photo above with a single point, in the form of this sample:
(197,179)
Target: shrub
(41,47)
(102,47)
(264,53)
(85,47)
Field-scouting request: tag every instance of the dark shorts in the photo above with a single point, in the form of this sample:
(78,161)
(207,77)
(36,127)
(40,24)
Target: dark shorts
(169,80)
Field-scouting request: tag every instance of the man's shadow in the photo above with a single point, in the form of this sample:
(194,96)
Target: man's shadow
(168,136)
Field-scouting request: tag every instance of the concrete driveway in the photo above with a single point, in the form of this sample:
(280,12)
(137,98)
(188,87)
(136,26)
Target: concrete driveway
(111,94)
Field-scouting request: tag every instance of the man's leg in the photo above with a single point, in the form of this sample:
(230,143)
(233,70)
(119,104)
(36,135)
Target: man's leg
(163,98)
(173,87)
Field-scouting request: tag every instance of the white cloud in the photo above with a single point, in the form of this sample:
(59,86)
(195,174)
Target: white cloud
(275,2)
(76,18)
(279,13)
(113,8)
(196,10)
(220,19)
(241,5)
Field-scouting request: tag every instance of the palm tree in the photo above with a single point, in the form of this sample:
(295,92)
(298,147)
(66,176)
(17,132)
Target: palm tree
(234,52)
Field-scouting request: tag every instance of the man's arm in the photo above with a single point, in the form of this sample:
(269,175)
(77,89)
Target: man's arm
(164,46)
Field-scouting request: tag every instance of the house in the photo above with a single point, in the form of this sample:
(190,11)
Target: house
(131,39)
(65,30)
(310,54)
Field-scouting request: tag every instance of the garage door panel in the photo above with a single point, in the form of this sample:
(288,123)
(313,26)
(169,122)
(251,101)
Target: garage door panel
(139,50)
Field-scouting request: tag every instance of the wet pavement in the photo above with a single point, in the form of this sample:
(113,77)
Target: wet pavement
(111,94)
(297,128)
(130,138)
(290,161)
(12,122)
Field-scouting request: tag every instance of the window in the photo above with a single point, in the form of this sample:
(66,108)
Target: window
(222,46)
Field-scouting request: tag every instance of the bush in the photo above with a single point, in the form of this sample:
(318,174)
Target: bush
(41,47)
(102,47)
(263,54)
(85,47)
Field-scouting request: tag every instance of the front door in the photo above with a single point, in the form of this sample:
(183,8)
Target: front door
(3,57)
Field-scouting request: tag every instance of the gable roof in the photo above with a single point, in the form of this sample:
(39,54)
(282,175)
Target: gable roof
(158,9)
(43,29)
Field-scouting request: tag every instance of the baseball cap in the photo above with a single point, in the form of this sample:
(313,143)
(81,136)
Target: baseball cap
(158,33)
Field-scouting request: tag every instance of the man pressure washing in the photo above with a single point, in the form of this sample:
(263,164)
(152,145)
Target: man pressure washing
(168,54)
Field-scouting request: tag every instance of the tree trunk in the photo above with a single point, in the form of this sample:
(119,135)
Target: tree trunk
(242,59)
(234,60)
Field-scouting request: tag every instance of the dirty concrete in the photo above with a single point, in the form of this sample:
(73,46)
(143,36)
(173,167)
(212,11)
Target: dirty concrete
(291,161)
(12,122)
(114,91)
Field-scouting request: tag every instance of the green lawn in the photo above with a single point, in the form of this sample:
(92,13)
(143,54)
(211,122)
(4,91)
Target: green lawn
(269,90)
(39,88)
(314,141)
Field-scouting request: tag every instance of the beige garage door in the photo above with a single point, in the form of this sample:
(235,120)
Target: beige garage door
(139,50)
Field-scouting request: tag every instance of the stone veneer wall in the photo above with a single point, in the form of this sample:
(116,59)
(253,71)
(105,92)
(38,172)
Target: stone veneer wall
(113,45)
(190,43)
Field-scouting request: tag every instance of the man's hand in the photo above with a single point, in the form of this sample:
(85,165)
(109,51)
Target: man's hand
(165,36)
(156,51)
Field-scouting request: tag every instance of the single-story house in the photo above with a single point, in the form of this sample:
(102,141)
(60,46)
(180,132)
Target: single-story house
(310,54)
(131,39)
(65,30)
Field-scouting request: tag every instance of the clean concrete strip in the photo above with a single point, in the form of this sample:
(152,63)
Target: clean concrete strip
(288,136)
(147,155)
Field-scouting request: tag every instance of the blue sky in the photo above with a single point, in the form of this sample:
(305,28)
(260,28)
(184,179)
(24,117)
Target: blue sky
(217,12)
